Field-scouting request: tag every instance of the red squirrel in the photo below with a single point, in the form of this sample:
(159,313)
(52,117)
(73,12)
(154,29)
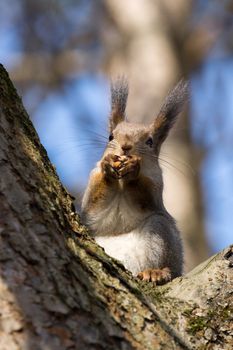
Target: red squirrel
(123,202)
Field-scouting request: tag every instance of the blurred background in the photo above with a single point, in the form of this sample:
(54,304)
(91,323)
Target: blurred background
(61,55)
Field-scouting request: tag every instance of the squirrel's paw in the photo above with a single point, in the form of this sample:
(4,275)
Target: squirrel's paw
(158,276)
(130,168)
(118,167)
(108,166)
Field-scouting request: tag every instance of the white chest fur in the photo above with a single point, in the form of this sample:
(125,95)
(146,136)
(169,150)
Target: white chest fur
(133,249)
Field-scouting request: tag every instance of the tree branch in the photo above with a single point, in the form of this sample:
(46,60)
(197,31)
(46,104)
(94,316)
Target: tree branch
(59,290)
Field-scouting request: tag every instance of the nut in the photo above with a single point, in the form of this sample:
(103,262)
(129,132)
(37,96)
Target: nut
(117,164)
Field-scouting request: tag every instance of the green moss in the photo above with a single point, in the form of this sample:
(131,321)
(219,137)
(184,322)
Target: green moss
(197,324)
(213,319)
(156,293)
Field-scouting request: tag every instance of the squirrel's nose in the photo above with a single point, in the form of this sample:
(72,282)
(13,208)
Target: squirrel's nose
(126,148)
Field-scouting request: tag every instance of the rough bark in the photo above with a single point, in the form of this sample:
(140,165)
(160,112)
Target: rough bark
(59,290)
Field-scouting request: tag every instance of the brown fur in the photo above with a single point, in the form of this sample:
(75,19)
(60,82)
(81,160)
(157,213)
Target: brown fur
(99,191)
(159,122)
(141,192)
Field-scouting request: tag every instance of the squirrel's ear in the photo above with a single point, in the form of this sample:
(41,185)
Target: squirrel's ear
(171,107)
(119,95)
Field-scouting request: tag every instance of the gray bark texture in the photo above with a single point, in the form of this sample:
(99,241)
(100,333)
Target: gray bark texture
(59,290)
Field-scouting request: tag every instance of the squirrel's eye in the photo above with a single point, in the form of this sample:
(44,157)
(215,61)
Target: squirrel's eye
(110,137)
(149,142)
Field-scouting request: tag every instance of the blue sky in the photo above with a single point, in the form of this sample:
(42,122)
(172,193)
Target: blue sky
(67,123)
(212,128)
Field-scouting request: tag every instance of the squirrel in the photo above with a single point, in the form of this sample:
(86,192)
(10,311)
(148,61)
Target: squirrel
(123,203)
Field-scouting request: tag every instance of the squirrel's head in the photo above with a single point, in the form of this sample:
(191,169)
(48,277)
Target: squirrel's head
(127,138)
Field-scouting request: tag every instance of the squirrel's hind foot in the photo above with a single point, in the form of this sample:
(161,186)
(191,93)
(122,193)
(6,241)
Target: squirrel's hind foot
(158,276)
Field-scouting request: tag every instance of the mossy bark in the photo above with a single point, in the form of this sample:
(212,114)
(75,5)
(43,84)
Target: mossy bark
(59,290)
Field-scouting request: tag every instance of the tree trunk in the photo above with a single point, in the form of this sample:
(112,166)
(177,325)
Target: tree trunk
(59,290)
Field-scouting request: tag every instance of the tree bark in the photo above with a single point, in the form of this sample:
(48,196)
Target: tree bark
(59,290)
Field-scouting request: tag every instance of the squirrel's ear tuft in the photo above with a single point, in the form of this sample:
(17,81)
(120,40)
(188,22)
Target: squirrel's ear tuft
(171,108)
(119,95)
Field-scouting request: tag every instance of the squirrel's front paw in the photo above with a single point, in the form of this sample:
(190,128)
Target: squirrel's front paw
(108,166)
(130,168)
(158,276)
(118,167)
